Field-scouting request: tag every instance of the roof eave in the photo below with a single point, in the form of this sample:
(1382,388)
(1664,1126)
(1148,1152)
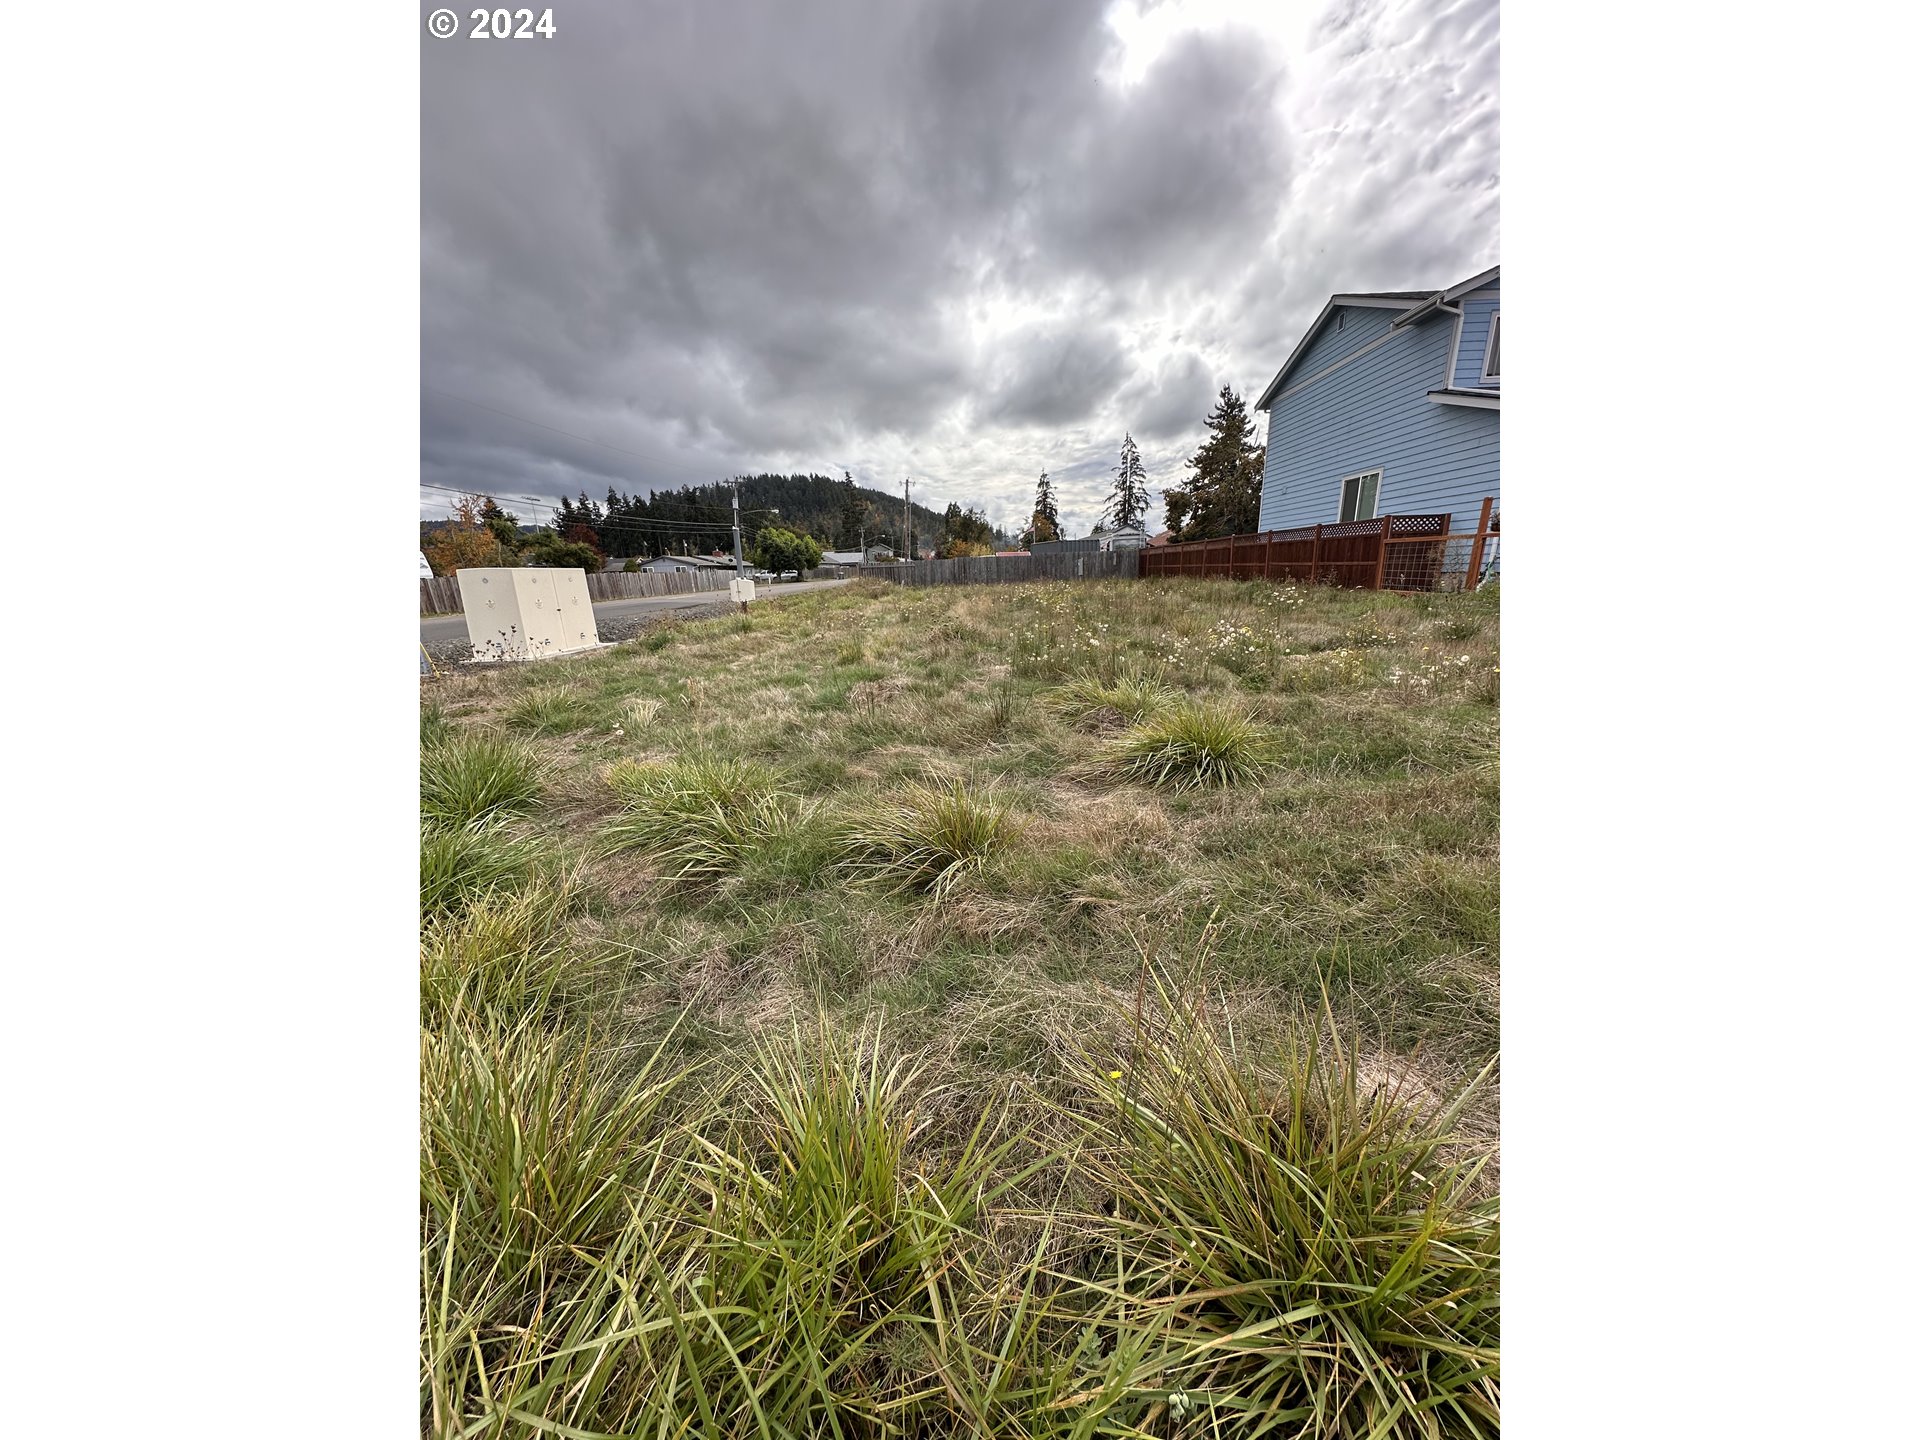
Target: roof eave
(1473,282)
(1333,302)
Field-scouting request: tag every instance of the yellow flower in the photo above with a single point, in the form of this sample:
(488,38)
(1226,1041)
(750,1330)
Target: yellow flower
(1114,1074)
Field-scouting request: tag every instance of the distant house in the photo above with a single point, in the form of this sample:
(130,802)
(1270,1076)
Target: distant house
(1165,537)
(1124,537)
(1065,547)
(842,557)
(1388,405)
(661,563)
(1010,554)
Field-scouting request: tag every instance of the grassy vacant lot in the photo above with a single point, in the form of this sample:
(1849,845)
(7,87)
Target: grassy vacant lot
(1019,1010)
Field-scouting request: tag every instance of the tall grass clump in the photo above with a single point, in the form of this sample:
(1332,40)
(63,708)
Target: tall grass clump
(700,817)
(929,837)
(538,1154)
(460,863)
(843,1240)
(469,777)
(1196,745)
(504,952)
(548,710)
(1132,694)
(1320,1256)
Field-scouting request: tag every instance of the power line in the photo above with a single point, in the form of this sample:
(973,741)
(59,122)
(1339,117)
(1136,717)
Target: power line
(606,516)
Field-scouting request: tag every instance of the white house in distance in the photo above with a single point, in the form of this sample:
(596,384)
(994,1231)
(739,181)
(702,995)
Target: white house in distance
(668,563)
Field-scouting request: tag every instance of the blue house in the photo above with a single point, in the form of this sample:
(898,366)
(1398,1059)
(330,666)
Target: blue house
(1389,405)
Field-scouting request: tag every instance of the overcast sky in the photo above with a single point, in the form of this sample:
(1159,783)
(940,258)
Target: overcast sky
(962,240)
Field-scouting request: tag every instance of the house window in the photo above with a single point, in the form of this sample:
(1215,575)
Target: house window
(1358,495)
(1490,370)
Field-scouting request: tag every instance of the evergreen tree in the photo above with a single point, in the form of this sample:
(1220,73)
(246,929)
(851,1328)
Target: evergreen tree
(1127,505)
(967,532)
(1045,524)
(1222,494)
(853,513)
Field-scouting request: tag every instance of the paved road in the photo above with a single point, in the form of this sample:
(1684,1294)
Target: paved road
(439,631)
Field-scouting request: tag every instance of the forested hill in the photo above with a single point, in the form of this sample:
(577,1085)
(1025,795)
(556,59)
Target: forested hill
(699,518)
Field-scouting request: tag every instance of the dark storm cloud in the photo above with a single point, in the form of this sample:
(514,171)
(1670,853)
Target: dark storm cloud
(938,239)
(1165,402)
(1056,375)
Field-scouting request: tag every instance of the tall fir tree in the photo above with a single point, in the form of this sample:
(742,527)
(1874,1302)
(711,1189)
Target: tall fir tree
(1045,524)
(853,512)
(1127,505)
(1221,495)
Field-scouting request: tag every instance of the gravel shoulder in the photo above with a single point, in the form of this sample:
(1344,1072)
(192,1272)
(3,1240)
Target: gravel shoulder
(445,636)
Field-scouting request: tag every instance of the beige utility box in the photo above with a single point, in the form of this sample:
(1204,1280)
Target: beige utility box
(526,614)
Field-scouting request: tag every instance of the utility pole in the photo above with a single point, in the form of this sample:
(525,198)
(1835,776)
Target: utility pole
(906,512)
(739,565)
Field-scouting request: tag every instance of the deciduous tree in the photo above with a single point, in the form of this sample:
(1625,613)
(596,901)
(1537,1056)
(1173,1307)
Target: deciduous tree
(778,550)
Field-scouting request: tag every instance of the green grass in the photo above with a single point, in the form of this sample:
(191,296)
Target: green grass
(927,837)
(1323,1253)
(798,1055)
(1192,746)
(461,863)
(699,818)
(548,710)
(1130,696)
(475,776)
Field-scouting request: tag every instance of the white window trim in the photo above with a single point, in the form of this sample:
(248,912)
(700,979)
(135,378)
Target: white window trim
(1493,338)
(1340,495)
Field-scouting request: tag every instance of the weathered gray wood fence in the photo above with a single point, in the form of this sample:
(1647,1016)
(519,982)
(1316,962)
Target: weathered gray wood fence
(1012,569)
(441,595)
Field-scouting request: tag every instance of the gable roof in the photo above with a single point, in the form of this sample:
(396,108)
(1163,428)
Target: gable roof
(1413,305)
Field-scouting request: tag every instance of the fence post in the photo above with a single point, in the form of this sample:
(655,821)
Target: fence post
(1380,569)
(1479,543)
(1313,563)
(1266,560)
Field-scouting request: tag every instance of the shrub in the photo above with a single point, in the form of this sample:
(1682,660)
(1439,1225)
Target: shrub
(700,817)
(467,777)
(548,549)
(1319,1254)
(460,863)
(1196,745)
(632,567)
(929,838)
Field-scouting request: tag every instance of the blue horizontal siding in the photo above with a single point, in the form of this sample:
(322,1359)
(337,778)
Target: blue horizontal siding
(1349,328)
(1476,324)
(1374,414)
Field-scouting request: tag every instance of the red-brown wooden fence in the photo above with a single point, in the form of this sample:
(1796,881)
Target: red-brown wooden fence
(1395,552)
